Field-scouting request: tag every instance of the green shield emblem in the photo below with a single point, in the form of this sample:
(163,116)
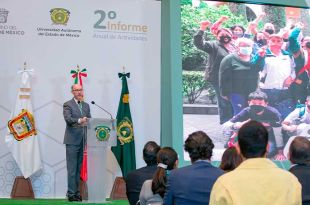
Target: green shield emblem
(102,133)
(125,131)
(60,16)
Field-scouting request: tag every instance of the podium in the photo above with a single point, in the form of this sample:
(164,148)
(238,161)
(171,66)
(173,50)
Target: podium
(101,134)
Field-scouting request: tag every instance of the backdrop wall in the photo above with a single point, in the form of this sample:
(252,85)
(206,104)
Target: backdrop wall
(101,36)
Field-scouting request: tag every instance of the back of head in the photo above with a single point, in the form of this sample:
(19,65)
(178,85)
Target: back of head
(299,152)
(230,159)
(199,146)
(253,140)
(167,156)
(150,151)
(166,159)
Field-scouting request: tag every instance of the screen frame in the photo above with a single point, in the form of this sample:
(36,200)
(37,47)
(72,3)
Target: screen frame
(171,71)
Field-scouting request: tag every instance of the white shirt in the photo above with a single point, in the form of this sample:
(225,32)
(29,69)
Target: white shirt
(305,118)
(276,70)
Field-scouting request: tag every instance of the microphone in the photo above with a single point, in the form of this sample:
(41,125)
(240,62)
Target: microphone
(93,102)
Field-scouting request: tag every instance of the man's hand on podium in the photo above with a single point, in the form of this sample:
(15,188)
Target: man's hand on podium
(83,121)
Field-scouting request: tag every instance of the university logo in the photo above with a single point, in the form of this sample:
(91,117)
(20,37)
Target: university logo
(60,16)
(102,133)
(3,15)
(125,131)
(22,126)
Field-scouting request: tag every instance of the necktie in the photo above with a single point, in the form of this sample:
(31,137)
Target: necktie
(80,107)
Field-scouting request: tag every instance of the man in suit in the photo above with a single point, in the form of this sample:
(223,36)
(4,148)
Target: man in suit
(76,113)
(299,154)
(135,179)
(192,184)
(257,180)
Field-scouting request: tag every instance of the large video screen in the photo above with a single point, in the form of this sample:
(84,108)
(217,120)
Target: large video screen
(245,62)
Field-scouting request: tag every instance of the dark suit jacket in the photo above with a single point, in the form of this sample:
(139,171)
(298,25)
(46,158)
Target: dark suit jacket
(74,132)
(191,184)
(302,172)
(135,180)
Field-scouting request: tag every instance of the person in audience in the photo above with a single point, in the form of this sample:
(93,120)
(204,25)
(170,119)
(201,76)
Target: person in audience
(299,155)
(230,159)
(258,110)
(152,191)
(257,180)
(136,178)
(192,184)
(216,50)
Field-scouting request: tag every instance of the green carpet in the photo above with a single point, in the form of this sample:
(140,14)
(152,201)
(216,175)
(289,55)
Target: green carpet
(55,202)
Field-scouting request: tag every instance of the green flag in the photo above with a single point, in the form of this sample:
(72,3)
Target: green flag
(125,149)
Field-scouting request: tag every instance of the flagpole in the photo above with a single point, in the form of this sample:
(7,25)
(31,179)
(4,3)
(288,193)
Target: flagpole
(22,187)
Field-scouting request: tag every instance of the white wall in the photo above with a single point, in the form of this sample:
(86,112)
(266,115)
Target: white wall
(53,57)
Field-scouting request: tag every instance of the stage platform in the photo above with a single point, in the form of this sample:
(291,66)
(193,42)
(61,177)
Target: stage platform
(55,202)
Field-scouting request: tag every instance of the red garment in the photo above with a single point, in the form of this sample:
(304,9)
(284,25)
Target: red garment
(305,68)
(83,174)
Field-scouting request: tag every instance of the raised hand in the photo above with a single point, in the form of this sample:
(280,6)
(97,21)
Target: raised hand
(204,25)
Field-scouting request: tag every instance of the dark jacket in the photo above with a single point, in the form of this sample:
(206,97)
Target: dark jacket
(302,172)
(191,184)
(135,180)
(216,52)
(71,112)
(238,76)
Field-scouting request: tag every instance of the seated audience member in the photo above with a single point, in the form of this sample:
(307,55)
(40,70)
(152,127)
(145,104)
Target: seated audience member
(299,155)
(260,111)
(135,179)
(152,191)
(257,180)
(192,184)
(230,159)
(296,121)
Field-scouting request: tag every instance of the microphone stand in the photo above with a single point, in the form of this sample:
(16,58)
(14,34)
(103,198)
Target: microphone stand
(112,120)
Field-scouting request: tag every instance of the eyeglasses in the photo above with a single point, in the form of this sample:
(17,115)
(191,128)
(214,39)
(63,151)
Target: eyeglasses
(80,90)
